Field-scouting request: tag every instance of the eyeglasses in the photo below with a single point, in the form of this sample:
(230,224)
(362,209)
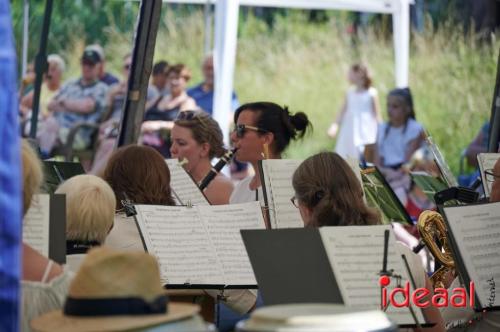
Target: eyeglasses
(295,201)
(490,176)
(241,129)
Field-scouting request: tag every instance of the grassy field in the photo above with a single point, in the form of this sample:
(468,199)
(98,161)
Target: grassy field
(304,66)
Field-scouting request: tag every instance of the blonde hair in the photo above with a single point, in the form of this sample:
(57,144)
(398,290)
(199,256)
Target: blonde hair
(32,174)
(58,61)
(90,208)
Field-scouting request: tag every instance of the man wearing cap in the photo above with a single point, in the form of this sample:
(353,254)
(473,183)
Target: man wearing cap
(104,76)
(79,100)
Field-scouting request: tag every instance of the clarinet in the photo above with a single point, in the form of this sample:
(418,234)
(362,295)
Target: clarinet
(216,169)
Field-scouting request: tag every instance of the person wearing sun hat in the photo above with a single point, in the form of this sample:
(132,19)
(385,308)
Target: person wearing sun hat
(119,291)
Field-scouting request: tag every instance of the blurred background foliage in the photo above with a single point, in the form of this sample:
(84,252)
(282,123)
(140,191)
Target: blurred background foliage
(300,58)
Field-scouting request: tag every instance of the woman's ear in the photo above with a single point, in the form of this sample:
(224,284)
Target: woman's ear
(268,138)
(205,149)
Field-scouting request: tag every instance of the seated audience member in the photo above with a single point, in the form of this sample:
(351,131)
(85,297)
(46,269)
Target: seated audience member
(119,291)
(79,100)
(90,212)
(478,145)
(397,140)
(327,193)
(141,175)
(159,80)
(197,138)
(159,119)
(52,82)
(203,95)
(44,283)
(105,77)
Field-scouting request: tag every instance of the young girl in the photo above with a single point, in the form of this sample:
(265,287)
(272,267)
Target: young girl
(397,140)
(359,116)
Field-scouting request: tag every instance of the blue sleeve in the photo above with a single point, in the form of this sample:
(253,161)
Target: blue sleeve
(10,179)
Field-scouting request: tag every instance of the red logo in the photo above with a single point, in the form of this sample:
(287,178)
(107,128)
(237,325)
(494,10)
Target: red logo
(440,298)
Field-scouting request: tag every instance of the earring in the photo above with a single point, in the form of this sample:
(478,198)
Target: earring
(266,151)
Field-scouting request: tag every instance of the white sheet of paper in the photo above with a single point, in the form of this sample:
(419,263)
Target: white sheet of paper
(202,244)
(184,187)
(486,161)
(356,254)
(36,224)
(279,172)
(476,230)
(224,223)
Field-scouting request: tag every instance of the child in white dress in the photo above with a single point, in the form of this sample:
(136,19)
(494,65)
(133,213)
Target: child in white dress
(359,117)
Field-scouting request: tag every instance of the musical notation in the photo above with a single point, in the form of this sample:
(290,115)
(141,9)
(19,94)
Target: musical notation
(36,224)
(184,188)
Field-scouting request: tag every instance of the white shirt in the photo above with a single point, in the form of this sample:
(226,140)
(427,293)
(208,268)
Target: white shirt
(394,146)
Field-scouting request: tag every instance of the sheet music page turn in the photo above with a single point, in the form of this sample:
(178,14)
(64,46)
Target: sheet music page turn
(356,255)
(36,224)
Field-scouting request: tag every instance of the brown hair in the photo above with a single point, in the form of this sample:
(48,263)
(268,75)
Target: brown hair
(32,174)
(141,173)
(181,70)
(365,72)
(326,184)
(204,129)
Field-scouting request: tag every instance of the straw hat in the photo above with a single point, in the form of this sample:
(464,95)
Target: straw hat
(114,291)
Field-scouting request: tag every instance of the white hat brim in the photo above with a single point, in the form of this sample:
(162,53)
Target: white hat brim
(57,321)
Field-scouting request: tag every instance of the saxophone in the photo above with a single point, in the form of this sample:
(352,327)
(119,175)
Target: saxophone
(431,226)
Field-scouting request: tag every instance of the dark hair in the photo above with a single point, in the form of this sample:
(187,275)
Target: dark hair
(277,120)
(326,184)
(160,67)
(204,129)
(141,173)
(405,95)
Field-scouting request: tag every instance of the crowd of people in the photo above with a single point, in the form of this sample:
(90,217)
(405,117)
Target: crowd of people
(102,242)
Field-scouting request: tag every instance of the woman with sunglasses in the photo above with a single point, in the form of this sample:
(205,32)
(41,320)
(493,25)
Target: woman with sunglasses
(197,138)
(159,119)
(263,130)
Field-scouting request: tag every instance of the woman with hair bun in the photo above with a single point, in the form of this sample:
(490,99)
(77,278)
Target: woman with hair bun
(197,138)
(263,130)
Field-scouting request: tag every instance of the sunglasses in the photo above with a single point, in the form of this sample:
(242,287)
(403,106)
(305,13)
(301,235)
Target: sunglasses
(189,116)
(490,176)
(241,130)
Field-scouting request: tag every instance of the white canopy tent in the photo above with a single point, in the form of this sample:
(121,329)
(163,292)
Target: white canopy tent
(226,26)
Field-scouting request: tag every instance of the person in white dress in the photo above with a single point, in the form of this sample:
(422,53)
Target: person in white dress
(359,116)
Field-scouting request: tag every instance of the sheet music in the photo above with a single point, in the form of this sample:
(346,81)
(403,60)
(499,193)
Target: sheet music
(200,245)
(442,165)
(224,223)
(476,231)
(176,236)
(36,224)
(356,254)
(279,191)
(486,161)
(183,185)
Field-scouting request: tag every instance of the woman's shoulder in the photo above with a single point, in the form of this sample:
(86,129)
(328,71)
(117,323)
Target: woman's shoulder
(414,126)
(220,190)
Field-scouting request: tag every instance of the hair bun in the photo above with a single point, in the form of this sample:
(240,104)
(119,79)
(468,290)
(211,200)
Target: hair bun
(300,121)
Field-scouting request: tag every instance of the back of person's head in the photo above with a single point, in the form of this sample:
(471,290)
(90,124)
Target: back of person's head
(181,70)
(90,208)
(58,61)
(160,68)
(141,173)
(204,130)
(277,120)
(364,72)
(404,94)
(327,185)
(32,174)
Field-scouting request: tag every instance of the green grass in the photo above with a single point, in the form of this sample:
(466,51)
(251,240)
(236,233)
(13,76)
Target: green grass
(304,66)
